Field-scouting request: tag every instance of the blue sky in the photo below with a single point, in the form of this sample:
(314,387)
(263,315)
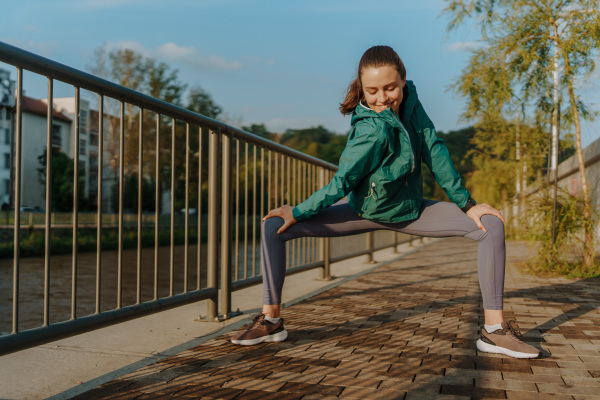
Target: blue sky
(282,63)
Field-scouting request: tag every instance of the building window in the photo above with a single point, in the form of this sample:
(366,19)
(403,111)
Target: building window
(94,139)
(83,121)
(6,186)
(82,146)
(6,160)
(56,136)
(7,136)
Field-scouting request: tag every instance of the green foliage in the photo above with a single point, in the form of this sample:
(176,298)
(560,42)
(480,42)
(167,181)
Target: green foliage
(200,101)
(315,141)
(62,180)
(564,257)
(458,144)
(259,130)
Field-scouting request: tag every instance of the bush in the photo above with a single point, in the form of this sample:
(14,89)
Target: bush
(565,256)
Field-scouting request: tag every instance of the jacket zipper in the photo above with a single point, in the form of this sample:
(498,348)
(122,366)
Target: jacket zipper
(409,142)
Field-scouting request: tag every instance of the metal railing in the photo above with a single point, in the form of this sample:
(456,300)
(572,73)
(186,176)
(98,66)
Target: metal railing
(226,178)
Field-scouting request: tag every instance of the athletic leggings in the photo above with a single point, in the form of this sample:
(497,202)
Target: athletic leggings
(436,219)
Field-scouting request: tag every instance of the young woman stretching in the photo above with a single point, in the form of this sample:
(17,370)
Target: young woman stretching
(380,174)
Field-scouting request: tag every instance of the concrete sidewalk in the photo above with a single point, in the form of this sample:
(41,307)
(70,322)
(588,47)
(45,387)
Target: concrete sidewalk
(67,367)
(406,330)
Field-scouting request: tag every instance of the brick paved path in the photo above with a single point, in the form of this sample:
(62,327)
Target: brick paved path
(404,331)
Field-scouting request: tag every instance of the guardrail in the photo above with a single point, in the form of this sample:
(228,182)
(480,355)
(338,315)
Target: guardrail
(237,178)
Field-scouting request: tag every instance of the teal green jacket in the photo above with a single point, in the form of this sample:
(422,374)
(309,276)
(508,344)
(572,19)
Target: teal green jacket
(380,167)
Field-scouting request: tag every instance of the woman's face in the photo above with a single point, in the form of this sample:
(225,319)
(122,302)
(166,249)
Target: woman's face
(382,87)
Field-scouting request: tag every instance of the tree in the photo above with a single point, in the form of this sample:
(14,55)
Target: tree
(131,69)
(528,44)
(61,192)
(201,102)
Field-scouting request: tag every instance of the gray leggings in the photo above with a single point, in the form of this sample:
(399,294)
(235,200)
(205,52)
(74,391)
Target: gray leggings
(437,219)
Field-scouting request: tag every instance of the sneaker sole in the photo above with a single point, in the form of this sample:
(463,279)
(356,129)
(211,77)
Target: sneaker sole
(488,348)
(277,337)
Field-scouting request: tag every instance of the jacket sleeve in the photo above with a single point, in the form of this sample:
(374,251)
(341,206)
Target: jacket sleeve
(362,154)
(435,155)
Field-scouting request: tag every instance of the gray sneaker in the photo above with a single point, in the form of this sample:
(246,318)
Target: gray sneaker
(506,341)
(260,330)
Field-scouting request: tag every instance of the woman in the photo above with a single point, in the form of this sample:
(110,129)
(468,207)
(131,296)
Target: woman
(380,173)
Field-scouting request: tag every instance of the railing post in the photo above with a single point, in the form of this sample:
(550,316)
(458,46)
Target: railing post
(325,243)
(370,247)
(396,242)
(213,208)
(226,226)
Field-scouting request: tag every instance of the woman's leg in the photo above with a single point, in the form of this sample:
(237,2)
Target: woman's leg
(442,219)
(337,220)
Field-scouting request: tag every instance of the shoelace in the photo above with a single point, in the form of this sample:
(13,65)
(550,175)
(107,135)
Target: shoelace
(255,320)
(511,329)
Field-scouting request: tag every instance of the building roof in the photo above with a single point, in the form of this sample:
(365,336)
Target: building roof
(39,107)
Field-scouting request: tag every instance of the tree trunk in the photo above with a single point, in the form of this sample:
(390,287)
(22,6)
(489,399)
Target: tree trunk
(588,258)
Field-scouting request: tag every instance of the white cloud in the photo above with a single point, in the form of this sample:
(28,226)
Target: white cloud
(463,46)
(174,52)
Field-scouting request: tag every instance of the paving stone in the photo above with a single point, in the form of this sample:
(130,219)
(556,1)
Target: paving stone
(299,387)
(364,393)
(506,384)
(474,392)
(254,384)
(519,395)
(567,389)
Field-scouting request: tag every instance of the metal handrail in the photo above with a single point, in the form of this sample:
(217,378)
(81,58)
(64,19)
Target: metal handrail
(32,62)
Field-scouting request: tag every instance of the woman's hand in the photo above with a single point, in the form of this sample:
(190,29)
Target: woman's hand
(479,210)
(284,212)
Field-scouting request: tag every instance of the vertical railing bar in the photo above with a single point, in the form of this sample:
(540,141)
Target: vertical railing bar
(269,185)
(99,222)
(213,209)
(199,249)
(48,204)
(237,210)
(262,189)
(75,205)
(286,199)
(311,241)
(298,201)
(254,211)
(282,183)
(247,165)
(314,189)
(172,247)
(140,199)
(187,207)
(304,253)
(121,198)
(157,206)
(276,185)
(302,181)
(17,201)
(313,246)
(226,225)
(292,203)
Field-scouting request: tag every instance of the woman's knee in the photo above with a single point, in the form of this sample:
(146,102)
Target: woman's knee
(493,224)
(272,225)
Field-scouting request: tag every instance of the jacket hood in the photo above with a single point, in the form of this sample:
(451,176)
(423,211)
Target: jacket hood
(409,101)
